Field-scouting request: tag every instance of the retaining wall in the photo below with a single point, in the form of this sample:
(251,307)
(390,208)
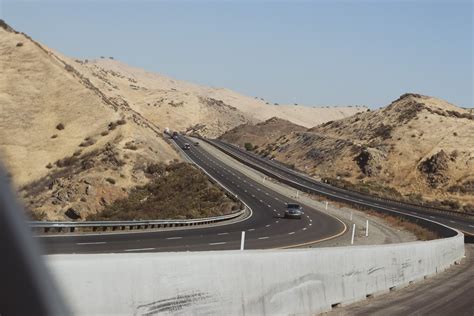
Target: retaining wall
(269,282)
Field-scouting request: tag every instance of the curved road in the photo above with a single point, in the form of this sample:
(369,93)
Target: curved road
(266,228)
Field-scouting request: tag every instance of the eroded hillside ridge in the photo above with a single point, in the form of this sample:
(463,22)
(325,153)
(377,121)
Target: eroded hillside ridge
(416,148)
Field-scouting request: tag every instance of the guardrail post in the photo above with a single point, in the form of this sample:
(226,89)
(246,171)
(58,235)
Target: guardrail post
(353,233)
(367,228)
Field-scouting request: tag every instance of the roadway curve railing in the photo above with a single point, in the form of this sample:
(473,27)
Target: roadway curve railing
(46,227)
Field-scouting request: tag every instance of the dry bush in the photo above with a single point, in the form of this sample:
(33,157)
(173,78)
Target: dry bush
(67,162)
(181,191)
(130,146)
(112,126)
(88,142)
(60,126)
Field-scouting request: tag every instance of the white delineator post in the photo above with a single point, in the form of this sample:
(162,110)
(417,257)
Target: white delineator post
(327,205)
(242,241)
(351,215)
(297,193)
(367,228)
(263,180)
(353,233)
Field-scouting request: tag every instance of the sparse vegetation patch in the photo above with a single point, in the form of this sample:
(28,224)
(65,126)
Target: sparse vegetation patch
(176,191)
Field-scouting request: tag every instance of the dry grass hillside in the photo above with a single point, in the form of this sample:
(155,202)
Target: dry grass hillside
(66,145)
(416,147)
(253,136)
(185,106)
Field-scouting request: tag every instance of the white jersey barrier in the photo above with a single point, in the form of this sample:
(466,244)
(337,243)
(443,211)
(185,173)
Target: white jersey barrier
(267,282)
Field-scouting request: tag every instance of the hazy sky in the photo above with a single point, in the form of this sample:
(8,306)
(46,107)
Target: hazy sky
(306,52)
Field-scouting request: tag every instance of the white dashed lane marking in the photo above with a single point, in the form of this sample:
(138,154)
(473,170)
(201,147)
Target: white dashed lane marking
(220,234)
(170,238)
(251,229)
(91,243)
(139,249)
(217,243)
(291,233)
(263,237)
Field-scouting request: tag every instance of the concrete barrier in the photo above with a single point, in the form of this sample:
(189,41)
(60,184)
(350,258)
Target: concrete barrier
(271,282)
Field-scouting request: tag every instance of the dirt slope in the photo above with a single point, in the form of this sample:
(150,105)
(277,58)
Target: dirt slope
(417,144)
(258,134)
(48,112)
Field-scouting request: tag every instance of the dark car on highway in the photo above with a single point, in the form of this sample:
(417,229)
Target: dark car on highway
(293,210)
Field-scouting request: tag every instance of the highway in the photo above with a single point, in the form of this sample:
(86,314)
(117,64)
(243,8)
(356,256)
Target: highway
(299,180)
(265,229)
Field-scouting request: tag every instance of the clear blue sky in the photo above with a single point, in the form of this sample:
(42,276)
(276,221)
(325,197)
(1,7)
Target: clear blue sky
(308,52)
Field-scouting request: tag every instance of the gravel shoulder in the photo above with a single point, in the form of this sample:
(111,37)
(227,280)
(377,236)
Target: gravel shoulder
(380,232)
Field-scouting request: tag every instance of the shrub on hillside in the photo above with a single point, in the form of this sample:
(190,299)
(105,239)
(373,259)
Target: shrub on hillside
(248,146)
(181,192)
(60,126)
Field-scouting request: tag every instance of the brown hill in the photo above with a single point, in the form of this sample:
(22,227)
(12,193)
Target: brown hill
(417,144)
(258,134)
(65,143)
(183,106)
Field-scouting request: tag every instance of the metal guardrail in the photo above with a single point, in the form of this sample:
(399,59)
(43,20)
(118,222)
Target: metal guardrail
(131,225)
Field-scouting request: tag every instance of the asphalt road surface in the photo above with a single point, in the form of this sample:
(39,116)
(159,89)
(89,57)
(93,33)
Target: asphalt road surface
(265,229)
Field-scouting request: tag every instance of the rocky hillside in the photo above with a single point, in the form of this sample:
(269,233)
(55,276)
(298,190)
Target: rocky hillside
(255,135)
(417,144)
(66,144)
